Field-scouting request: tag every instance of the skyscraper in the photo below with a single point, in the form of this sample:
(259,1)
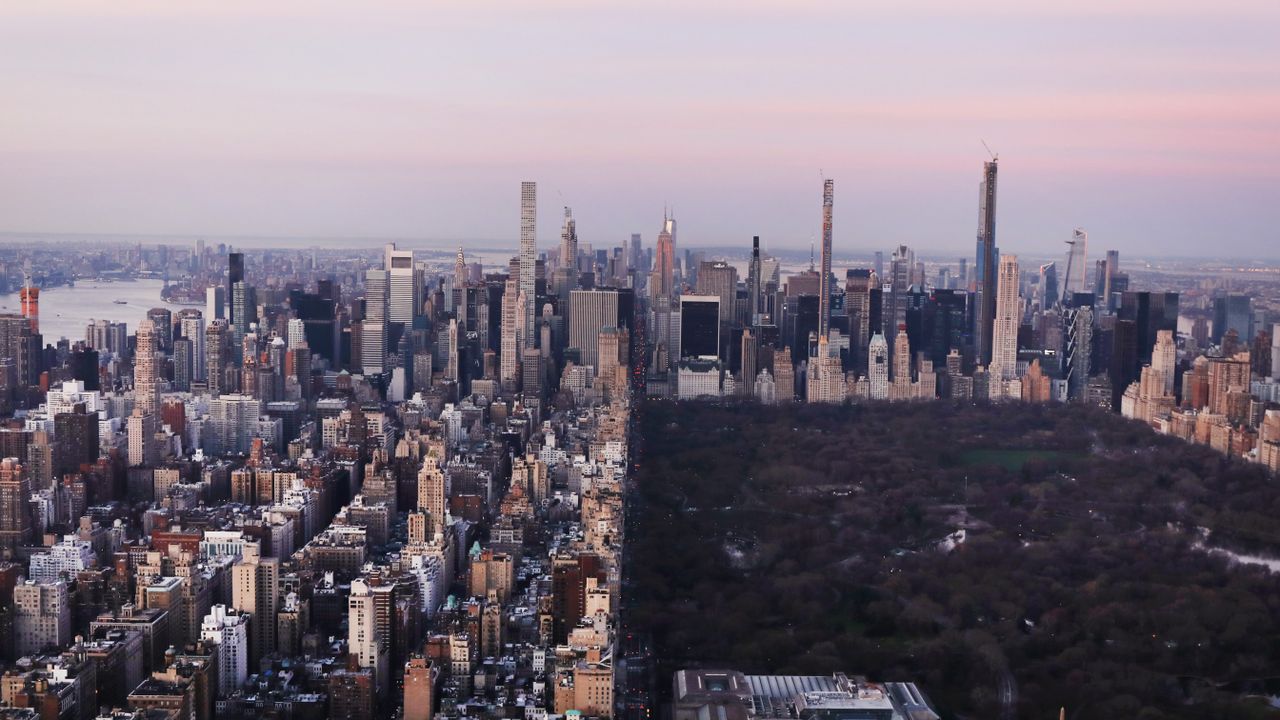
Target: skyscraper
(1077,256)
(15,511)
(431,494)
(254,590)
(878,367)
(719,278)
(569,246)
(901,387)
(1164,358)
(229,630)
(402,285)
(146,383)
(529,252)
(661,285)
(1108,285)
(1232,312)
(590,310)
(1049,296)
(1077,323)
(824,281)
(373,331)
(235,274)
(244,309)
(510,342)
(215,353)
(985,264)
(749,358)
(1004,344)
(29,296)
(753,282)
(191,326)
(699,325)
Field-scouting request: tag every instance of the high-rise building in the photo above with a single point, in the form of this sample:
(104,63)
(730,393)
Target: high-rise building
(824,280)
(878,367)
(235,274)
(1049,296)
(754,283)
(215,302)
(784,375)
(162,318)
(15,511)
(364,642)
(419,688)
(1232,312)
(402,285)
(191,326)
(699,327)
(215,354)
(233,423)
(453,366)
(900,265)
(141,428)
(720,279)
(229,630)
(1111,269)
(29,297)
(590,310)
(1004,343)
(254,589)
(244,309)
(1164,359)
(146,380)
(985,264)
(569,248)
(662,285)
(529,253)
(749,359)
(77,439)
(1275,352)
(901,388)
(510,342)
(373,330)
(431,494)
(1076,278)
(41,616)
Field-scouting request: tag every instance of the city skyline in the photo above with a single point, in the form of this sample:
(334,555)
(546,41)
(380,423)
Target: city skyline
(1155,127)
(283,435)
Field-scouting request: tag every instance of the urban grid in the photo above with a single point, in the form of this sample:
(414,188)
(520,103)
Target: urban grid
(856,469)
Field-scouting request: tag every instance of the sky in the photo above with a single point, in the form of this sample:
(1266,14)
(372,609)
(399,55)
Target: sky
(1154,124)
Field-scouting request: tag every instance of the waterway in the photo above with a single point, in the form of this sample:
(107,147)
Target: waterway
(65,311)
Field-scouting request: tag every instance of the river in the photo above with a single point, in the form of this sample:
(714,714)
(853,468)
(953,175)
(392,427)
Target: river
(65,311)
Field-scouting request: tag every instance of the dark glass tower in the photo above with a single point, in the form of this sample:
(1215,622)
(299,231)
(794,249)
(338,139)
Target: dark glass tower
(985,267)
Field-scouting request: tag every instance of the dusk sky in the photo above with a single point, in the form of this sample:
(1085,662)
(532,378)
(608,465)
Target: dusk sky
(1153,124)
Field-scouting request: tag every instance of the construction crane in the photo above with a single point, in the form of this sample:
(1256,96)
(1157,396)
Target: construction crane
(994,156)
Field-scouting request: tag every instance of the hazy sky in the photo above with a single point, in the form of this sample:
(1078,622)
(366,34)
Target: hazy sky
(1155,124)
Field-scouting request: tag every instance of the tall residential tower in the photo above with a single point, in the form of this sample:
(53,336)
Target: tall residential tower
(529,253)
(985,265)
(824,281)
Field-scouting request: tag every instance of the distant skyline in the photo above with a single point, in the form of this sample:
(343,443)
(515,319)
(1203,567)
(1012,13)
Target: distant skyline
(1155,125)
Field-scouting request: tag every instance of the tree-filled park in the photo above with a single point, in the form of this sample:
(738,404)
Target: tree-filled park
(1011,559)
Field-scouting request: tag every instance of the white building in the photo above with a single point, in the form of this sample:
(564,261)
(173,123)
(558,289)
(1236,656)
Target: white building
(878,367)
(362,632)
(229,630)
(766,389)
(70,556)
(698,379)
